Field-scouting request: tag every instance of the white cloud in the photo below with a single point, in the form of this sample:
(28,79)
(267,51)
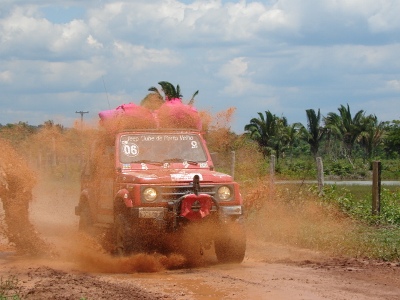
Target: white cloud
(367,57)
(239,79)
(25,34)
(386,18)
(140,57)
(42,76)
(93,42)
(287,55)
(77,74)
(394,84)
(70,37)
(6,77)
(177,23)
(22,29)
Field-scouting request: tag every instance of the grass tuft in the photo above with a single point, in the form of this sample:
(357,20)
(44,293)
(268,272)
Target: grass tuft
(10,289)
(340,223)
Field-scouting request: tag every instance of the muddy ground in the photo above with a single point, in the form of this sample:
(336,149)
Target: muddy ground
(79,270)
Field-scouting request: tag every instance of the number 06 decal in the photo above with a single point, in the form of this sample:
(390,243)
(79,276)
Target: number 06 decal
(131,150)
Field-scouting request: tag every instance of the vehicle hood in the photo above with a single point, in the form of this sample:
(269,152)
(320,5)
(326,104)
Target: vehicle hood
(175,175)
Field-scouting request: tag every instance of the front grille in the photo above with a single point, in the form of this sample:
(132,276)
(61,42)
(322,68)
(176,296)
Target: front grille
(171,193)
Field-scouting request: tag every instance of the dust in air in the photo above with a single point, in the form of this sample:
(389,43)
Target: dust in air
(279,215)
(17,183)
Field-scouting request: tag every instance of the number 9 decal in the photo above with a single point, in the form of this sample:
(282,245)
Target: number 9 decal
(194,144)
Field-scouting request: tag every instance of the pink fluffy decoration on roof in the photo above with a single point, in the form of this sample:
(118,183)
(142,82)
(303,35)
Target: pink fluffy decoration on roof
(171,114)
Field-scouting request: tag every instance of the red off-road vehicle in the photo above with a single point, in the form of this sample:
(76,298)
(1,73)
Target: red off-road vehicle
(150,186)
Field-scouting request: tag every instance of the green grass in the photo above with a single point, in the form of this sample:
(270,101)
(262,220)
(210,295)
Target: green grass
(363,192)
(10,289)
(356,201)
(374,236)
(339,223)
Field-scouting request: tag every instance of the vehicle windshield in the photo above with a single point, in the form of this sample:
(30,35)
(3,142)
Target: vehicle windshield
(160,148)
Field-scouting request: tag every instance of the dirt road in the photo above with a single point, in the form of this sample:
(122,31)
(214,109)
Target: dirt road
(269,271)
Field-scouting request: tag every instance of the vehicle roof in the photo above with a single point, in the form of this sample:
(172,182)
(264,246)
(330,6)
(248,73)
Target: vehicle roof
(161,130)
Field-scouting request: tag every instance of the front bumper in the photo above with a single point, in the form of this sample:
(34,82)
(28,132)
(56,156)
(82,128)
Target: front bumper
(163,212)
(167,219)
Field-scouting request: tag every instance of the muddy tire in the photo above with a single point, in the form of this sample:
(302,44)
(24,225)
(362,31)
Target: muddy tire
(124,243)
(191,247)
(230,246)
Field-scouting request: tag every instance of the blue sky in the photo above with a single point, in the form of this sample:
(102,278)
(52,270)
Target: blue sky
(285,56)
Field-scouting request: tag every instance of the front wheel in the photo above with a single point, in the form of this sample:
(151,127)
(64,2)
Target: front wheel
(230,244)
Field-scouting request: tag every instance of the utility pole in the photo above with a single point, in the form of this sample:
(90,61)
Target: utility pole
(82,113)
(82,154)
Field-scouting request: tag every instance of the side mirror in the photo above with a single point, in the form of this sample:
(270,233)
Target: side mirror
(214,157)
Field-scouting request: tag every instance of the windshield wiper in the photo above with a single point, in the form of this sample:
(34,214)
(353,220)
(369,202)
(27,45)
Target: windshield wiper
(190,162)
(146,161)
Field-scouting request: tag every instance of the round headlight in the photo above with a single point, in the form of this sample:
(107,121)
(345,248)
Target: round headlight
(224,193)
(150,194)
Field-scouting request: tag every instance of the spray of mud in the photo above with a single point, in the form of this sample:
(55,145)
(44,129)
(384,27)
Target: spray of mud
(53,217)
(286,214)
(52,214)
(273,221)
(53,203)
(292,216)
(89,256)
(153,113)
(16,183)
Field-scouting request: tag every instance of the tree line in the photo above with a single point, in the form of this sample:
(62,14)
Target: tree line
(338,135)
(49,147)
(335,137)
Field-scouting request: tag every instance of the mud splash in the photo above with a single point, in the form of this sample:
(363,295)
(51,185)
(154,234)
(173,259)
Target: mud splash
(291,215)
(89,256)
(16,183)
(84,254)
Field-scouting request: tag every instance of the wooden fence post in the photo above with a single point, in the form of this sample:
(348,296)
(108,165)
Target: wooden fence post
(272,168)
(376,187)
(271,190)
(320,169)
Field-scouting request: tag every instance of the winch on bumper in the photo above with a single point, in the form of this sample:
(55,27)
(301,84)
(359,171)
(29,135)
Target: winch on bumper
(191,207)
(188,208)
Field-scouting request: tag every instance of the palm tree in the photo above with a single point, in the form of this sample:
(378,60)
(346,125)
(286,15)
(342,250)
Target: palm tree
(279,140)
(372,136)
(346,127)
(291,134)
(314,132)
(191,102)
(170,92)
(262,130)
